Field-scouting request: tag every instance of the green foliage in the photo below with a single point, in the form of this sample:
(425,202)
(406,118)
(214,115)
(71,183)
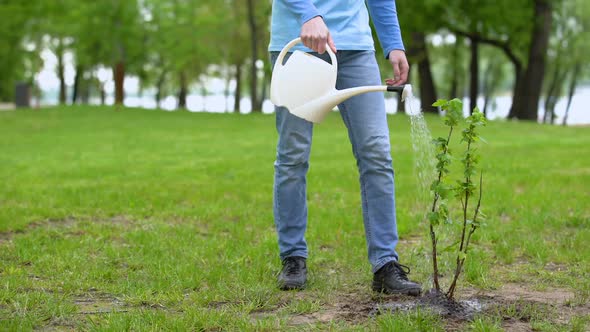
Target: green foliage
(19,59)
(463,189)
(139,215)
(419,320)
(157,40)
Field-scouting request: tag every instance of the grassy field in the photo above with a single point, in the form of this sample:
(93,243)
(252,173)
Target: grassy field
(151,220)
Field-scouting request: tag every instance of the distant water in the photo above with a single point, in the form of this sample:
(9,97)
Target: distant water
(500,106)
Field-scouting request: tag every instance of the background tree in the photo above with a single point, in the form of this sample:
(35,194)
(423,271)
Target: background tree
(415,29)
(568,46)
(486,23)
(258,12)
(117,38)
(527,94)
(17,46)
(178,46)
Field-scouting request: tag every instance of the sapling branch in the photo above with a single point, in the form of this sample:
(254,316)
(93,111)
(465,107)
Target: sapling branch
(464,192)
(467,192)
(439,212)
(437,196)
(474,226)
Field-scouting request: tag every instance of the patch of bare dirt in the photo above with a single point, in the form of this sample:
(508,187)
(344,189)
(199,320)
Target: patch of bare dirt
(98,303)
(513,325)
(412,240)
(518,292)
(514,303)
(68,224)
(436,303)
(353,308)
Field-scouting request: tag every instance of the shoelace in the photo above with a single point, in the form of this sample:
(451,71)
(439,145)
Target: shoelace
(401,270)
(291,265)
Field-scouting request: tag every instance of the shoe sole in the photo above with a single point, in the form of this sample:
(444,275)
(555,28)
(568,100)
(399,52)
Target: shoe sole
(407,291)
(287,287)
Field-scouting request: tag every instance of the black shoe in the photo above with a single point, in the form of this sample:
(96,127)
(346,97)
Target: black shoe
(392,279)
(294,273)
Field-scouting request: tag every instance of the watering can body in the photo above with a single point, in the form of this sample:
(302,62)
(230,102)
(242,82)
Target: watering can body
(306,85)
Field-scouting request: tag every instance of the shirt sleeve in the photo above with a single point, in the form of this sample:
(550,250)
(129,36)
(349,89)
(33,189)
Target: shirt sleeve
(384,16)
(304,9)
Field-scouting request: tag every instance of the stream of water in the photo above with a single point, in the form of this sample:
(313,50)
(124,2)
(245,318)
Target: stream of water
(423,149)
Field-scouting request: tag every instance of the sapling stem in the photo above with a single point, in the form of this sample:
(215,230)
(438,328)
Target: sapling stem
(434,204)
(464,249)
(464,191)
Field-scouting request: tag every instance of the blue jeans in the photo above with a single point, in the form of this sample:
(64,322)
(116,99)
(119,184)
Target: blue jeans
(364,116)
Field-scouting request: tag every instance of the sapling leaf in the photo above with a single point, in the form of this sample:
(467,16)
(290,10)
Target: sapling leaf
(450,121)
(433,218)
(450,247)
(440,141)
(443,210)
(456,104)
(433,185)
(440,103)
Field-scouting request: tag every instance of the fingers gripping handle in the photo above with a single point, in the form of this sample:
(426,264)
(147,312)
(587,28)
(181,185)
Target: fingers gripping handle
(297,41)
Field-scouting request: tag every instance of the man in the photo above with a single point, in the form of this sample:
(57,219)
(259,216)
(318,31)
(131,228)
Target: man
(343,25)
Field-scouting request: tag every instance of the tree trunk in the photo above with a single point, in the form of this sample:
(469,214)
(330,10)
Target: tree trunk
(572,89)
(474,74)
(77,79)
(103,94)
(119,76)
(515,90)
(238,92)
(552,94)
(419,52)
(526,99)
(226,89)
(159,85)
(427,89)
(60,72)
(454,89)
(85,92)
(508,51)
(182,91)
(254,49)
(486,88)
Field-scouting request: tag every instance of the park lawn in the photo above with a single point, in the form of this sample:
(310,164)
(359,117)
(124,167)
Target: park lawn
(149,220)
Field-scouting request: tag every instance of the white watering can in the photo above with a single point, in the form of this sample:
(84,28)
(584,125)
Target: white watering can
(306,85)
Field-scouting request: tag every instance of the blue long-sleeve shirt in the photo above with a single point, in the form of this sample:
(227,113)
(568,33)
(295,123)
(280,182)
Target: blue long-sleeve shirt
(347,20)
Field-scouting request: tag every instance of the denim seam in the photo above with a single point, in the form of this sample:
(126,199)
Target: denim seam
(367,222)
(277,205)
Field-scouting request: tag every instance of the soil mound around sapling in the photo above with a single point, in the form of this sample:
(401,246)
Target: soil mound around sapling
(436,303)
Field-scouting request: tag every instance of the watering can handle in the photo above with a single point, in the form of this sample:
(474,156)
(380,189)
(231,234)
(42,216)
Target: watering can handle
(297,41)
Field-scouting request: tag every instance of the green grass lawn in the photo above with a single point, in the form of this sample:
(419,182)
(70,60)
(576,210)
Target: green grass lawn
(151,220)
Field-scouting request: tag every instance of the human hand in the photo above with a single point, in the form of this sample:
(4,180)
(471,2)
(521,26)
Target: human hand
(315,35)
(400,65)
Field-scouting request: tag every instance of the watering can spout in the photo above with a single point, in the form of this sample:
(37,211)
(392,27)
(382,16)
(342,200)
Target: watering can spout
(315,110)
(305,85)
